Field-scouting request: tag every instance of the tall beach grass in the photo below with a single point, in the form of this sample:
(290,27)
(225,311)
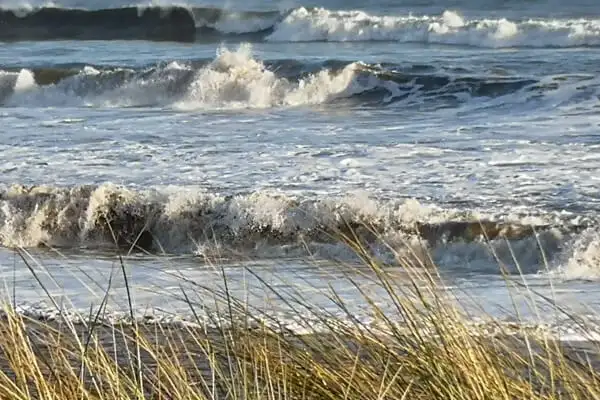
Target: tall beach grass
(422,346)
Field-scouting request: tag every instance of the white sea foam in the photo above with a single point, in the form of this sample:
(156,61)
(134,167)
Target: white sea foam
(264,225)
(236,80)
(233,80)
(58,216)
(240,22)
(321,24)
(25,81)
(583,259)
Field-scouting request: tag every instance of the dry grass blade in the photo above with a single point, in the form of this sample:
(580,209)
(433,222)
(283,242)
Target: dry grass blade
(420,346)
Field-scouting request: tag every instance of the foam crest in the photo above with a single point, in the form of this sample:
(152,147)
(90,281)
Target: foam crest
(16,83)
(185,23)
(25,81)
(236,80)
(321,24)
(261,224)
(583,261)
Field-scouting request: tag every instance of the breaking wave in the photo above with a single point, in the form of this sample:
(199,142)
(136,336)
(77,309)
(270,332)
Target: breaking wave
(260,224)
(187,24)
(583,263)
(234,79)
(319,24)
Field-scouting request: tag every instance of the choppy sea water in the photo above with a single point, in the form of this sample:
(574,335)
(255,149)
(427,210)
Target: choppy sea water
(250,133)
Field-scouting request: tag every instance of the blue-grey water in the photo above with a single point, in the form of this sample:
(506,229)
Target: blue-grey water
(254,130)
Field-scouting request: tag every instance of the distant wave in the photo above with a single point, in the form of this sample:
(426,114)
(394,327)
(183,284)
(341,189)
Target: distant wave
(234,79)
(450,28)
(154,23)
(303,24)
(172,23)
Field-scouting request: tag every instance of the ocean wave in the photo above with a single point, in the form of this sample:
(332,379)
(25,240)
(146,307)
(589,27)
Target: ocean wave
(235,79)
(152,23)
(304,24)
(319,24)
(168,23)
(260,224)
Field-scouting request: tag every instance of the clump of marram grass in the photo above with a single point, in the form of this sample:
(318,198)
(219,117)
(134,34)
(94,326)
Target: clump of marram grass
(424,349)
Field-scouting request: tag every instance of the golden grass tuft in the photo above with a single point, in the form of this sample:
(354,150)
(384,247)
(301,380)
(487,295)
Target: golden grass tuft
(426,348)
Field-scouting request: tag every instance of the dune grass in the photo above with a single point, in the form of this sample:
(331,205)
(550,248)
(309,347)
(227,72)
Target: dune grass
(426,348)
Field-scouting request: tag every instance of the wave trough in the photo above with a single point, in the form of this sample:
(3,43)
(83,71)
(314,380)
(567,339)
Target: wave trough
(305,24)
